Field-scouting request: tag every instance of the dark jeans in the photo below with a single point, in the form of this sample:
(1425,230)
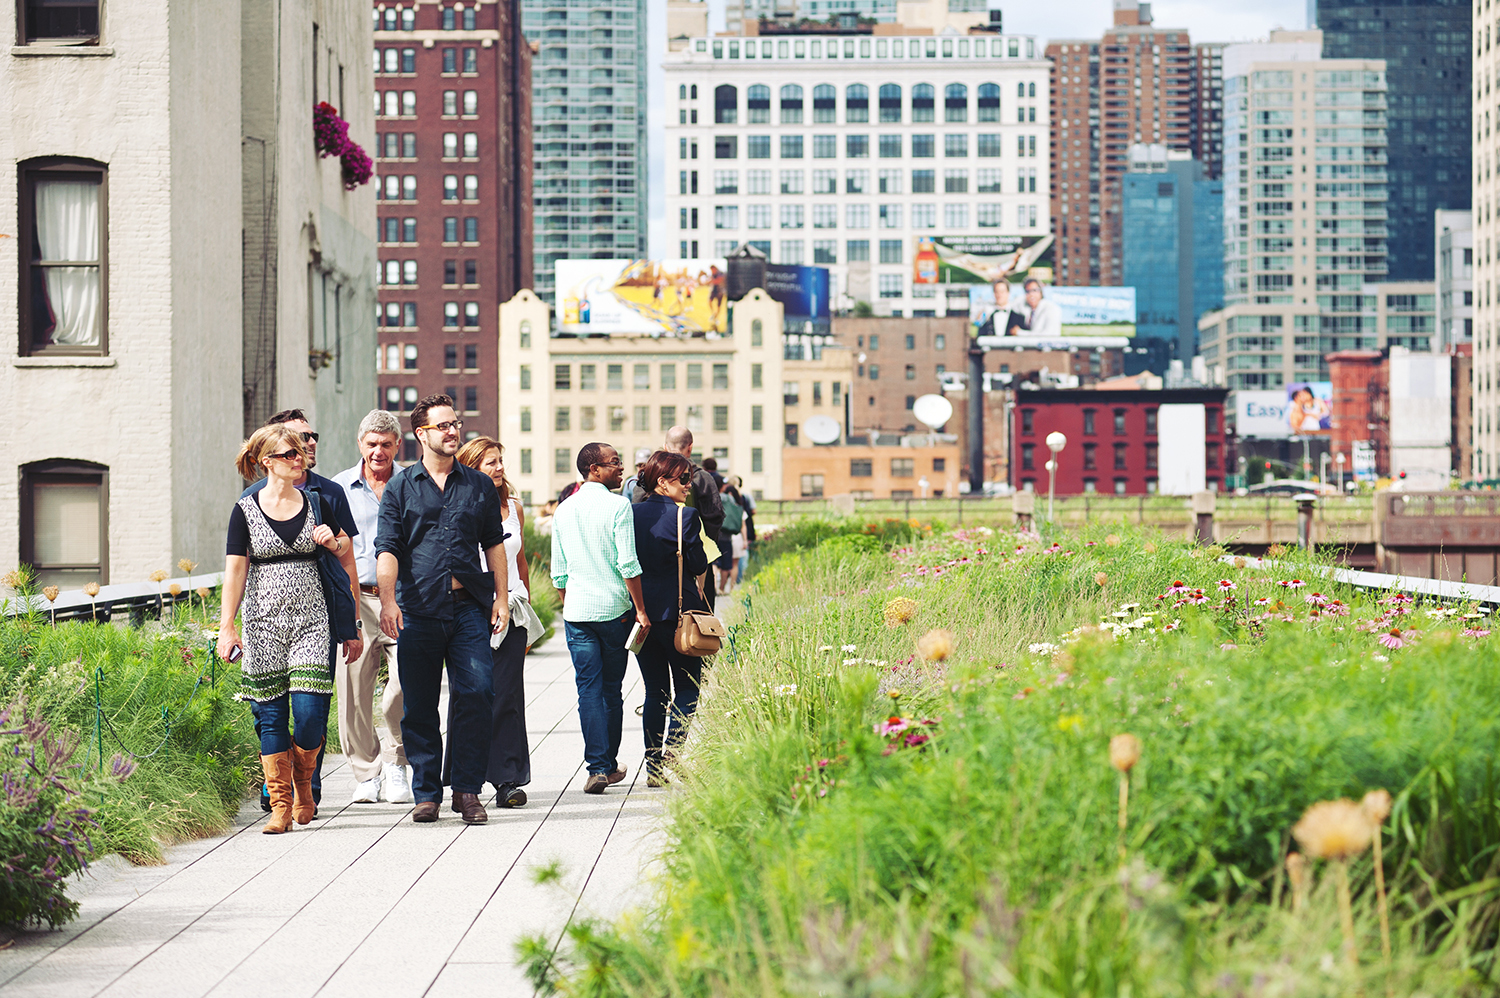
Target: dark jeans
(425,644)
(599,662)
(510,752)
(665,669)
(308,714)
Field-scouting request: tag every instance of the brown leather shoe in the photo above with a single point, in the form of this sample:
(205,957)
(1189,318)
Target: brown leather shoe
(426,811)
(595,784)
(616,776)
(469,806)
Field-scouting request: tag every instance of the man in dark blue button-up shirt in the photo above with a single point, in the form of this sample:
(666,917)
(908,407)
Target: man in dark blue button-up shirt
(441,605)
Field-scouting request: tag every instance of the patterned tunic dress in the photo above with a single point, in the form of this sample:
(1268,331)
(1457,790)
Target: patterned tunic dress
(284,613)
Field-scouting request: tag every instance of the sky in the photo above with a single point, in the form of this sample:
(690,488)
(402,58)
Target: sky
(1206,21)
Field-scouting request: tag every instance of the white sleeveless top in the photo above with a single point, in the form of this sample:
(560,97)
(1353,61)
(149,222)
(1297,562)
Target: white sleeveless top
(512,525)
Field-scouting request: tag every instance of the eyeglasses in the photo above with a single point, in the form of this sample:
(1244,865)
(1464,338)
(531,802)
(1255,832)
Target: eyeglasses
(444,427)
(616,463)
(289,455)
(309,438)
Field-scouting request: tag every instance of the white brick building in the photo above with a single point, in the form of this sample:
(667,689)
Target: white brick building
(844,150)
(145,149)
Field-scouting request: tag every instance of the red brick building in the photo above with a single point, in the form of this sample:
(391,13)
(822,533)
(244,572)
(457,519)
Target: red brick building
(1361,405)
(1112,438)
(453,157)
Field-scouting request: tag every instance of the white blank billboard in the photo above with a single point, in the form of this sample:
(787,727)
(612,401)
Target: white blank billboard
(1180,434)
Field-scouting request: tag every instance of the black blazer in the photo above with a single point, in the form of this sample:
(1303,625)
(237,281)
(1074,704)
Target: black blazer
(656,550)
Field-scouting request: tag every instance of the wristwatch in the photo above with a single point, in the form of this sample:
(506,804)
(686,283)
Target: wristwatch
(359,625)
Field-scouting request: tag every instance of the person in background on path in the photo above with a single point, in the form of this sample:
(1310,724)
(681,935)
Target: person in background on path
(733,531)
(742,562)
(711,465)
(379,769)
(510,754)
(703,496)
(642,455)
(568,490)
(441,606)
(271,567)
(660,525)
(598,579)
(296,421)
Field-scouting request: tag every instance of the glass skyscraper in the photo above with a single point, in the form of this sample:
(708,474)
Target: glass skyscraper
(1425,45)
(589,123)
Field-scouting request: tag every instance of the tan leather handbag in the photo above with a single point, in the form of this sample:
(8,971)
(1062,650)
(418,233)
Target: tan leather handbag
(698,633)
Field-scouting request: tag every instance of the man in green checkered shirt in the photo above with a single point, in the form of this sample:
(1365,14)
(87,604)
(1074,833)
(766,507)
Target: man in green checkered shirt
(599,579)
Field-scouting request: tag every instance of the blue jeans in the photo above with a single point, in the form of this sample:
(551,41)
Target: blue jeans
(308,714)
(666,670)
(425,644)
(599,661)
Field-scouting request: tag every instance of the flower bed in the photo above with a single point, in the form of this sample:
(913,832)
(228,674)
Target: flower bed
(904,783)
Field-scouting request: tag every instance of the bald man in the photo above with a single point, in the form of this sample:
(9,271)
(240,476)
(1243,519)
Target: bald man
(704,495)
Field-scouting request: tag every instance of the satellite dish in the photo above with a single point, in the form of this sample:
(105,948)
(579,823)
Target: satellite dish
(822,429)
(934,410)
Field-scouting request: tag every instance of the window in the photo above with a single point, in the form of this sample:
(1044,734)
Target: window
(562,418)
(471,102)
(812,485)
(857,146)
(1028,457)
(525,460)
(721,418)
(1211,455)
(668,377)
(890,216)
(726,147)
(791,147)
(757,418)
(586,417)
(923,181)
(450,317)
(890,250)
(856,181)
(1119,422)
(694,419)
(891,181)
(861,467)
(721,377)
(825,182)
(890,102)
(956,102)
(641,419)
(856,103)
(1119,457)
(791,181)
(726,181)
(695,377)
(1120,486)
(1028,421)
(891,286)
(64,300)
(668,414)
(727,217)
(857,216)
(726,104)
(450,102)
(791,104)
(1088,422)
(1151,422)
(923,146)
(988,146)
(890,147)
(758,104)
(562,377)
(757,461)
(825,146)
(791,216)
(956,181)
(471,230)
(758,216)
(64,522)
(911,374)
(956,146)
(858,250)
(922,102)
(525,377)
(902,467)
(471,60)
(989,102)
(924,216)
(989,216)
(560,461)
(1090,457)
(1151,456)
(1212,421)
(825,99)
(956,216)
(615,377)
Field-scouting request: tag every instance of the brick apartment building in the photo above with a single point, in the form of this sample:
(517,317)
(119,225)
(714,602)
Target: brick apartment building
(453,161)
(1112,438)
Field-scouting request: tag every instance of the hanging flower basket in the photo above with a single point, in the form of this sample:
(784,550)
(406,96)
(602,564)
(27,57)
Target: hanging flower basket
(331,138)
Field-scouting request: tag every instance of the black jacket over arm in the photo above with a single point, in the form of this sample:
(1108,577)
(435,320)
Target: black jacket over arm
(656,550)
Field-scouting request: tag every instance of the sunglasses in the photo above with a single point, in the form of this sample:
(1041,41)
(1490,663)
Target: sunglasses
(289,455)
(309,438)
(444,427)
(686,478)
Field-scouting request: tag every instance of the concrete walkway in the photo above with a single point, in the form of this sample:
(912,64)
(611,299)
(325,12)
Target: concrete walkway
(363,902)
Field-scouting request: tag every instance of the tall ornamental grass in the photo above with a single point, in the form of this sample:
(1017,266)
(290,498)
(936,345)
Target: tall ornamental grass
(900,782)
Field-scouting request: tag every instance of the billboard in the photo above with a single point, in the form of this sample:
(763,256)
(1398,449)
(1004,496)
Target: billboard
(1181,429)
(1261,414)
(1309,408)
(1060,313)
(981,259)
(802,291)
(642,297)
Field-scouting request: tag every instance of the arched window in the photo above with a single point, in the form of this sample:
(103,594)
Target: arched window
(758,104)
(856,103)
(890,102)
(989,102)
(1020,90)
(825,103)
(693,92)
(956,102)
(1031,90)
(791,104)
(682,91)
(922,96)
(525,334)
(757,332)
(726,104)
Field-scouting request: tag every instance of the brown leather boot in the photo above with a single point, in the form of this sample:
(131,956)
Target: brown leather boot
(278,770)
(304,763)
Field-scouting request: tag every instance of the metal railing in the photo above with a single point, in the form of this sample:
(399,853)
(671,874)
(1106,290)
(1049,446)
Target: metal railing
(1070,510)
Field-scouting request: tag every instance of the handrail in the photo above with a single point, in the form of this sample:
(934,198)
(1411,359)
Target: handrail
(75,604)
(1440,588)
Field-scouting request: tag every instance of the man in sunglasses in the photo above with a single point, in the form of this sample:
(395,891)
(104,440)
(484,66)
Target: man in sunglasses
(441,605)
(598,577)
(296,421)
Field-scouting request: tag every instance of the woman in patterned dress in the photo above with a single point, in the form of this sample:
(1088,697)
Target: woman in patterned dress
(271,567)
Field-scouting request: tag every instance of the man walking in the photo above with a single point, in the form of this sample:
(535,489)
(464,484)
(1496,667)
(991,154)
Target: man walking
(599,581)
(702,496)
(296,421)
(379,769)
(441,606)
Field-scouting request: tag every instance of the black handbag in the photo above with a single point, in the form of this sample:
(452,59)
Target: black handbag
(343,615)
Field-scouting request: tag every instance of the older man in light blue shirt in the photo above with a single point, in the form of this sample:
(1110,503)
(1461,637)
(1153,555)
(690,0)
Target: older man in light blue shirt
(596,573)
(379,767)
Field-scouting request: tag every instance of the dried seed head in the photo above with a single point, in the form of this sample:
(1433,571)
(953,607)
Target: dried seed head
(1124,752)
(175,589)
(16,578)
(203,592)
(1113,540)
(900,610)
(1100,579)
(187,565)
(91,590)
(51,592)
(1333,829)
(1239,562)
(1377,806)
(159,576)
(935,645)
(1149,547)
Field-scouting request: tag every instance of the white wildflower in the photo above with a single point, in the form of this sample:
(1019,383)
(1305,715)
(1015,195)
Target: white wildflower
(785,690)
(1042,648)
(848,648)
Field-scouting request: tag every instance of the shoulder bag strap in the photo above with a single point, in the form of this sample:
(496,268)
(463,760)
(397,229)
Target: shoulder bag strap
(679,561)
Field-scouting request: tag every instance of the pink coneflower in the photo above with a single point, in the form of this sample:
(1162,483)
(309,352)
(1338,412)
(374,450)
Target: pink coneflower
(1197,598)
(1177,588)
(916,738)
(1228,646)
(1263,601)
(1227,586)
(1089,544)
(1396,599)
(892,726)
(1293,583)
(1315,599)
(1476,632)
(1393,638)
(1336,608)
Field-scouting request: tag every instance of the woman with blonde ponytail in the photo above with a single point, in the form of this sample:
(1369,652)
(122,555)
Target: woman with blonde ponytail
(271,567)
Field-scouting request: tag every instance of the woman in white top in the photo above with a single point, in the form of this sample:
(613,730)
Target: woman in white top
(510,753)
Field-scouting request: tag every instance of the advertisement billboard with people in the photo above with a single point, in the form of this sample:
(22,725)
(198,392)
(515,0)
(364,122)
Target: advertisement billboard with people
(1037,311)
(1309,409)
(642,297)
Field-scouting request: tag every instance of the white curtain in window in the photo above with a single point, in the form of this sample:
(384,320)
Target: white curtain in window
(67,226)
(67,524)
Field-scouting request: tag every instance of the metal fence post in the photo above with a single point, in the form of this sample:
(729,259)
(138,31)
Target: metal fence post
(1203,509)
(1305,502)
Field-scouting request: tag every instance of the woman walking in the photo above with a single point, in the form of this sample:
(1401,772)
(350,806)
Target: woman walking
(663,527)
(271,567)
(510,753)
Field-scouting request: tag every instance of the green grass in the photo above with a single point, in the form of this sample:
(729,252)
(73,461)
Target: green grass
(810,854)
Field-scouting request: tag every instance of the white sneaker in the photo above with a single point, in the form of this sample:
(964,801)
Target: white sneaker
(368,792)
(397,787)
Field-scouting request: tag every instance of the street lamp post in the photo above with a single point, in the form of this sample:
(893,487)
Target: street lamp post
(1055,443)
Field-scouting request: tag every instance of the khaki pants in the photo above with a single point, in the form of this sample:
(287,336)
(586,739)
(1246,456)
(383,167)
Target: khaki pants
(355,684)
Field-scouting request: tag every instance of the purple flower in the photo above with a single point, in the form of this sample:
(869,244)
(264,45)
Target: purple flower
(1394,638)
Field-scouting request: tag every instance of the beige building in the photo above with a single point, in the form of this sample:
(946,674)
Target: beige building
(818,385)
(925,469)
(557,394)
(201,268)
